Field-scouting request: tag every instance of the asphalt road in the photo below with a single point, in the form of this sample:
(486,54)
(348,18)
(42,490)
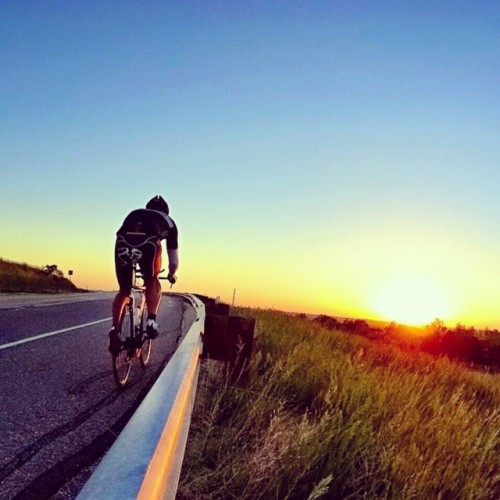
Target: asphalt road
(60,410)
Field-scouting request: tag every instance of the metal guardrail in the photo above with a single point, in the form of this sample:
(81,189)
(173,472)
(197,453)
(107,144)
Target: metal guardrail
(145,460)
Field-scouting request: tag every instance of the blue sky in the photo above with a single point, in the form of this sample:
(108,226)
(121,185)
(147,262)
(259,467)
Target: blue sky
(309,150)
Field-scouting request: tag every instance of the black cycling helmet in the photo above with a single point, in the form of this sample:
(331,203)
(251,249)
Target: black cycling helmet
(157,203)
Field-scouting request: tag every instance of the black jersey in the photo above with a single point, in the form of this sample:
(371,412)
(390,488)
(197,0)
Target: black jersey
(152,223)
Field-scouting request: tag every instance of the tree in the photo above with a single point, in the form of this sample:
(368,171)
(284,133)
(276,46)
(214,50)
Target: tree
(437,327)
(52,270)
(463,345)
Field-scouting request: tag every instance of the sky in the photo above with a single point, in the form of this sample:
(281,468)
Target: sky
(334,157)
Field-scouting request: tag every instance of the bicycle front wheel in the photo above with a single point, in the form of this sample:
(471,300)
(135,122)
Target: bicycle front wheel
(122,361)
(147,343)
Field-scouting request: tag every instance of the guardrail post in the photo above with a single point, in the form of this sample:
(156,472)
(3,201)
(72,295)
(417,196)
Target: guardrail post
(229,339)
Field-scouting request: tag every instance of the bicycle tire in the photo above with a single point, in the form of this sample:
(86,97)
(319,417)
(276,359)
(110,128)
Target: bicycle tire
(122,361)
(147,343)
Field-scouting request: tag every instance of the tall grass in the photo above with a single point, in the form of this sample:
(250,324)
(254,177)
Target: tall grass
(324,414)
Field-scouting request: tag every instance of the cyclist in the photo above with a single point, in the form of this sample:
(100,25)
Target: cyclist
(139,238)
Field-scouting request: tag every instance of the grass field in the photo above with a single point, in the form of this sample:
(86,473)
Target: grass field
(16,277)
(325,414)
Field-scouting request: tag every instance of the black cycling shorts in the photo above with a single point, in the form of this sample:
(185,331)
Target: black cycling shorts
(140,248)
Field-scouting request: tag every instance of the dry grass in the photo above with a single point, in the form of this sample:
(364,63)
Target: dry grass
(328,415)
(16,277)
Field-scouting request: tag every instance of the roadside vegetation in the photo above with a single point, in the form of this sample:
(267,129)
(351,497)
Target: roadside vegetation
(15,277)
(322,413)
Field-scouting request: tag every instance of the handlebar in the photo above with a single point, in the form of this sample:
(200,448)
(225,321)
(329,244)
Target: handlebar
(172,279)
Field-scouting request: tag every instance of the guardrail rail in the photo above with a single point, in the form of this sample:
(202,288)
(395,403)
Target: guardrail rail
(146,459)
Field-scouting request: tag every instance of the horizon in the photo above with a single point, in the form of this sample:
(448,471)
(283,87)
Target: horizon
(379,322)
(336,157)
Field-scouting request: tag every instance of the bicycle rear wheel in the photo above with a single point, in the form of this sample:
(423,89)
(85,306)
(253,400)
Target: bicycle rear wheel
(122,361)
(147,343)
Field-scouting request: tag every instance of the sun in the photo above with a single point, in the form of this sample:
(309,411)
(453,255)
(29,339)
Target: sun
(412,300)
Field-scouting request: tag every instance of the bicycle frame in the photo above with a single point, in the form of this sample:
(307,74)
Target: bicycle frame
(135,343)
(137,299)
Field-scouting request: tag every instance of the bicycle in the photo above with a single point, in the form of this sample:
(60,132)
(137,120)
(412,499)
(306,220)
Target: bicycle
(133,337)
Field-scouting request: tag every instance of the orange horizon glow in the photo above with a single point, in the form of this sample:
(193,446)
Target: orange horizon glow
(413,299)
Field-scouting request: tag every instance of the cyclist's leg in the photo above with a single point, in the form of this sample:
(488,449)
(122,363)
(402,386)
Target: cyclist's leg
(123,272)
(151,267)
(153,294)
(118,302)
(124,277)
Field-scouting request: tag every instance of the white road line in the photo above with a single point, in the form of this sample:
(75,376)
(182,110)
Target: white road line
(50,334)
(8,302)
(44,304)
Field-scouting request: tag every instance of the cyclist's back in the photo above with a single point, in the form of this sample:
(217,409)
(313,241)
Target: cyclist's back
(150,222)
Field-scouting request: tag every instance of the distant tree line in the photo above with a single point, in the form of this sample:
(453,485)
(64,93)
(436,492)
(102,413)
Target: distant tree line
(467,344)
(463,343)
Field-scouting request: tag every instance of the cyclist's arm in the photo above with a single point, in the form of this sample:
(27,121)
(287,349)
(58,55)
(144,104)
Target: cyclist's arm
(170,235)
(172,246)
(173,261)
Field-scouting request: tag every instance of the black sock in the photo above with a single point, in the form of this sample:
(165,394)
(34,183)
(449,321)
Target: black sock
(152,316)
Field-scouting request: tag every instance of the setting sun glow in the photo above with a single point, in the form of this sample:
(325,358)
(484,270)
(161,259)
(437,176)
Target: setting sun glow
(412,301)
